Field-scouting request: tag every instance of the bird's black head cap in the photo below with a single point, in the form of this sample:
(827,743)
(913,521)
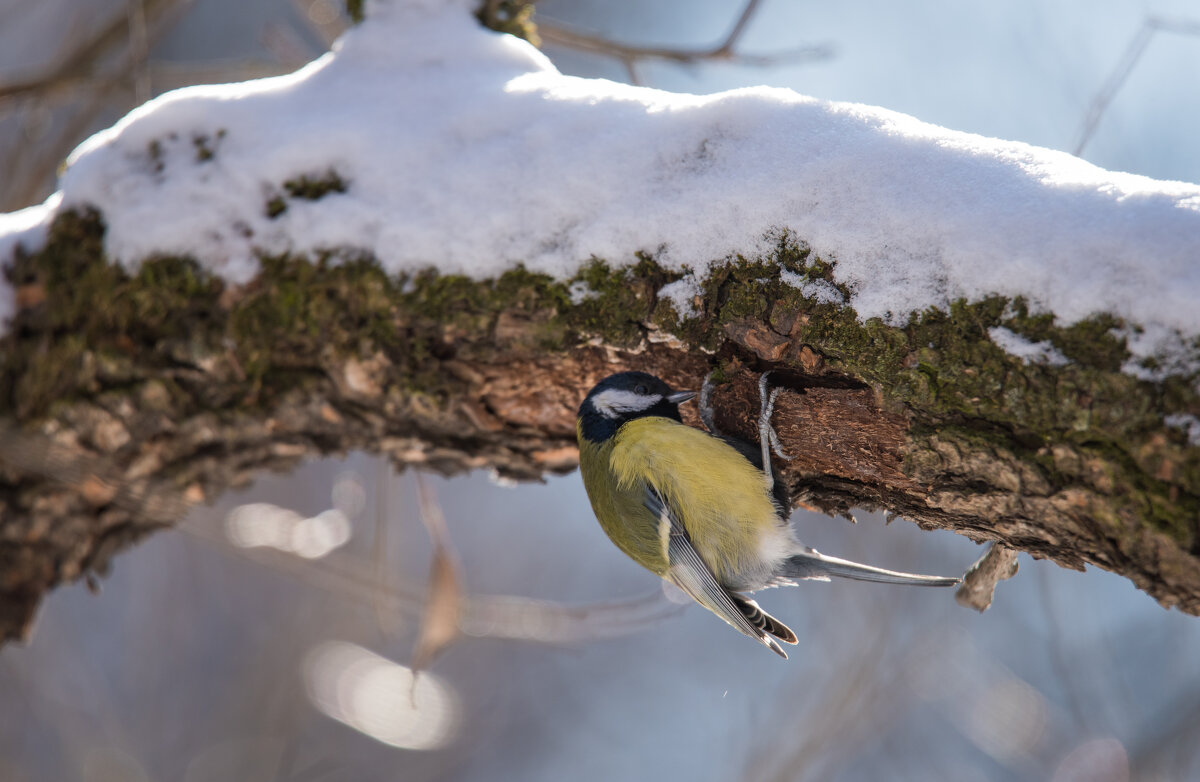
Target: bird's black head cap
(623,397)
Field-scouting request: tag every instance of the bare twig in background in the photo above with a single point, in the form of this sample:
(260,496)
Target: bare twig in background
(1151,26)
(384,618)
(481,616)
(998,563)
(111,69)
(81,66)
(139,51)
(725,51)
(86,84)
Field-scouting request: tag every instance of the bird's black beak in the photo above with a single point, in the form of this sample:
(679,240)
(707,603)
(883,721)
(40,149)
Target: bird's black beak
(679,397)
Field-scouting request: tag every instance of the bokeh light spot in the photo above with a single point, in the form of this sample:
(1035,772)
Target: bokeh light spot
(376,696)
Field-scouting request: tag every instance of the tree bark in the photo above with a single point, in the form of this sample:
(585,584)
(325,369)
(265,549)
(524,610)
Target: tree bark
(125,399)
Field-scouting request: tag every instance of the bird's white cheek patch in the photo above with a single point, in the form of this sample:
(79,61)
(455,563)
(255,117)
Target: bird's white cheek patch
(614,403)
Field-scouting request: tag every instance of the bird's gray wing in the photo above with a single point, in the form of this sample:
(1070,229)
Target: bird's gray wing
(691,574)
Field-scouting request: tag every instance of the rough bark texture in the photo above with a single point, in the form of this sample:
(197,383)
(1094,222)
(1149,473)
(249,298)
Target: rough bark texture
(125,399)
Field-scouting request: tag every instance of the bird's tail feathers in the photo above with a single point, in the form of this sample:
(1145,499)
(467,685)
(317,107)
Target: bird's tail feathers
(812,564)
(763,621)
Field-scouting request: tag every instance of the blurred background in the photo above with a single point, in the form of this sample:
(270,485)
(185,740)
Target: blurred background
(271,636)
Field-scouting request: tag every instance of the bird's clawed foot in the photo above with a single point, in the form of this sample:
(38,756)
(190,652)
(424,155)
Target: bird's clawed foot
(768,439)
(767,436)
(766,432)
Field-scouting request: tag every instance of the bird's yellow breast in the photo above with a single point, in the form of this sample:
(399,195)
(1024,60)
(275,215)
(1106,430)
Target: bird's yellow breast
(620,511)
(719,496)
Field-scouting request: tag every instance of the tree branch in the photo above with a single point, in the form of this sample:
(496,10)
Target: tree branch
(124,400)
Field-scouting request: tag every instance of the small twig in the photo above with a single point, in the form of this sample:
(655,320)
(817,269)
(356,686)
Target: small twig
(562,36)
(631,69)
(1137,47)
(383,618)
(629,55)
(1099,105)
(139,51)
(739,27)
(998,563)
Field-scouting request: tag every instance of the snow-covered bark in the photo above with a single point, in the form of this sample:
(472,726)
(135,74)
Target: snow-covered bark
(978,334)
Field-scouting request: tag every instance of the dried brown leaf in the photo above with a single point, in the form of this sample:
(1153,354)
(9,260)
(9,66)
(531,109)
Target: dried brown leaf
(444,596)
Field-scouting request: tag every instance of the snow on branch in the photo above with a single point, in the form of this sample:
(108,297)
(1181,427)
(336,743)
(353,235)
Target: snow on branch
(425,140)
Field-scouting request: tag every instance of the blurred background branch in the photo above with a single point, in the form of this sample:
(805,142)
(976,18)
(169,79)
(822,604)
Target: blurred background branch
(105,63)
(508,617)
(1150,29)
(725,50)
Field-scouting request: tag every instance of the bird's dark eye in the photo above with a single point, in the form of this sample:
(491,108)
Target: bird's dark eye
(640,388)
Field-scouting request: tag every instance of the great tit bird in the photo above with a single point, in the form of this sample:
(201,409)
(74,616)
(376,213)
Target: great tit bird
(701,510)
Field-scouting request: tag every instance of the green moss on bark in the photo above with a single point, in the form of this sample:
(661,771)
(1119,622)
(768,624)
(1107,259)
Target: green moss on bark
(94,326)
